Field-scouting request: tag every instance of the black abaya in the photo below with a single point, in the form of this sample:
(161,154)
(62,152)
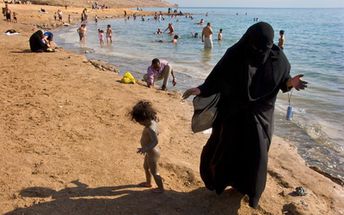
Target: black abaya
(248,78)
(36,43)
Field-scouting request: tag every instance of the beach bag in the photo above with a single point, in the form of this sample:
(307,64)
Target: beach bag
(128,78)
(205,112)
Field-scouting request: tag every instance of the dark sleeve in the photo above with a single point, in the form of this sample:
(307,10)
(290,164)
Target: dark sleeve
(286,76)
(211,84)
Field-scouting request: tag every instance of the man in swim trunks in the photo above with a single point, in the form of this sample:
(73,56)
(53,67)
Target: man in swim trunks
(207,36)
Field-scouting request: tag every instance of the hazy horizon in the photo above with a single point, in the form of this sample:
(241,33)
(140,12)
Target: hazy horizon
(257,7)
(261,3)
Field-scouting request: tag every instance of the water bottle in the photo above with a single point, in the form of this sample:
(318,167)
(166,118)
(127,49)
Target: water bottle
(289,113)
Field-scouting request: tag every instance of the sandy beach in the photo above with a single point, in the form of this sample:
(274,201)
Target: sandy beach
(69,147)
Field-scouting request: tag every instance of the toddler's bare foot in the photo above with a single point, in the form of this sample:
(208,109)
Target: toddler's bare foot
(145,184)
(158,190)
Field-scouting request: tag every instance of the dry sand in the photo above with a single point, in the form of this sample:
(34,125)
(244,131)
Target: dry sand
(111,3)
(68,147)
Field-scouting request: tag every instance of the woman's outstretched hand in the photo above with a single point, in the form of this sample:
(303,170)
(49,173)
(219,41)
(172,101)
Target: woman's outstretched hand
(192,91)
(297,83)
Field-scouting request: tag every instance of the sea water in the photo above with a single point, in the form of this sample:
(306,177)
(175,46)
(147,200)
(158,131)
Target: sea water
(314,46)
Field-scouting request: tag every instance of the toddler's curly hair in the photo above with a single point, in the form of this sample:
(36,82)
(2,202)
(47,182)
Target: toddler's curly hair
(143,111)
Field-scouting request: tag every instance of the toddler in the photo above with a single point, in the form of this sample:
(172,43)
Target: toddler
(145,114)
(101,36)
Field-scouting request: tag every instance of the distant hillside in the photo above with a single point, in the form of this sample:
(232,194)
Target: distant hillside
(111,3)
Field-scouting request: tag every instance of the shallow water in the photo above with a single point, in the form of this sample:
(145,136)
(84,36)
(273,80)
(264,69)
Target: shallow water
(314,47)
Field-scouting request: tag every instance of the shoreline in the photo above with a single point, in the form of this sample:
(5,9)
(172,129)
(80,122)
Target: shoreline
(331,175)
(81,77)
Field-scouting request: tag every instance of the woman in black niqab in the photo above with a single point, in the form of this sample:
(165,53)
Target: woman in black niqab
(248,78)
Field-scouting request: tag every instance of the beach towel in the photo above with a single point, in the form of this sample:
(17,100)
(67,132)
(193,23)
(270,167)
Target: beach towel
(11,32)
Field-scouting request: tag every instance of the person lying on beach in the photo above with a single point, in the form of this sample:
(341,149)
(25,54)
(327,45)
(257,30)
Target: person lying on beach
(146,115)
(159,70)
(82,31)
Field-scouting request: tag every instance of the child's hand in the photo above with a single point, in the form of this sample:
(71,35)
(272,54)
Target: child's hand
(140,151)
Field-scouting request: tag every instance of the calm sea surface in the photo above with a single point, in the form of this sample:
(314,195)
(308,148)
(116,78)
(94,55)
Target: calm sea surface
(314,47)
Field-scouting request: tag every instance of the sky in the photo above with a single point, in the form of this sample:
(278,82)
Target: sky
(261,3)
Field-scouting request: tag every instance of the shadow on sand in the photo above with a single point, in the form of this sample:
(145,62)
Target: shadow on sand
(128,199)
(22,51)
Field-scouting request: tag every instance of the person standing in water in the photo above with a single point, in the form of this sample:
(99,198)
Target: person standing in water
(207,36)
(281,39)
(108,34)
(219,35)
(82,31)
(170,29)
(101,37)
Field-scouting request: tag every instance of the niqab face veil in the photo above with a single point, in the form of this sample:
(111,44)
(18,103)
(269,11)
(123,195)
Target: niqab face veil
(258,41)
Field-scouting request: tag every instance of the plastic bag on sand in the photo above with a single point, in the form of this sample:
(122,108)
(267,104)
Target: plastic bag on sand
(128,78)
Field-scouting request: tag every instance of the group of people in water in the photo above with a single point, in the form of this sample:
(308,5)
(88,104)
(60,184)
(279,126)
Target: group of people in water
(206,35)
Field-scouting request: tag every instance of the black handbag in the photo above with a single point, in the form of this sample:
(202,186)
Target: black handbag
(205,112)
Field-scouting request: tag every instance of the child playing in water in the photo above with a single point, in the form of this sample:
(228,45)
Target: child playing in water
(158,32)
(175,39)
(281,39)
(219,35)
(108,34)
(146,115)
(101,37)
(82,32)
